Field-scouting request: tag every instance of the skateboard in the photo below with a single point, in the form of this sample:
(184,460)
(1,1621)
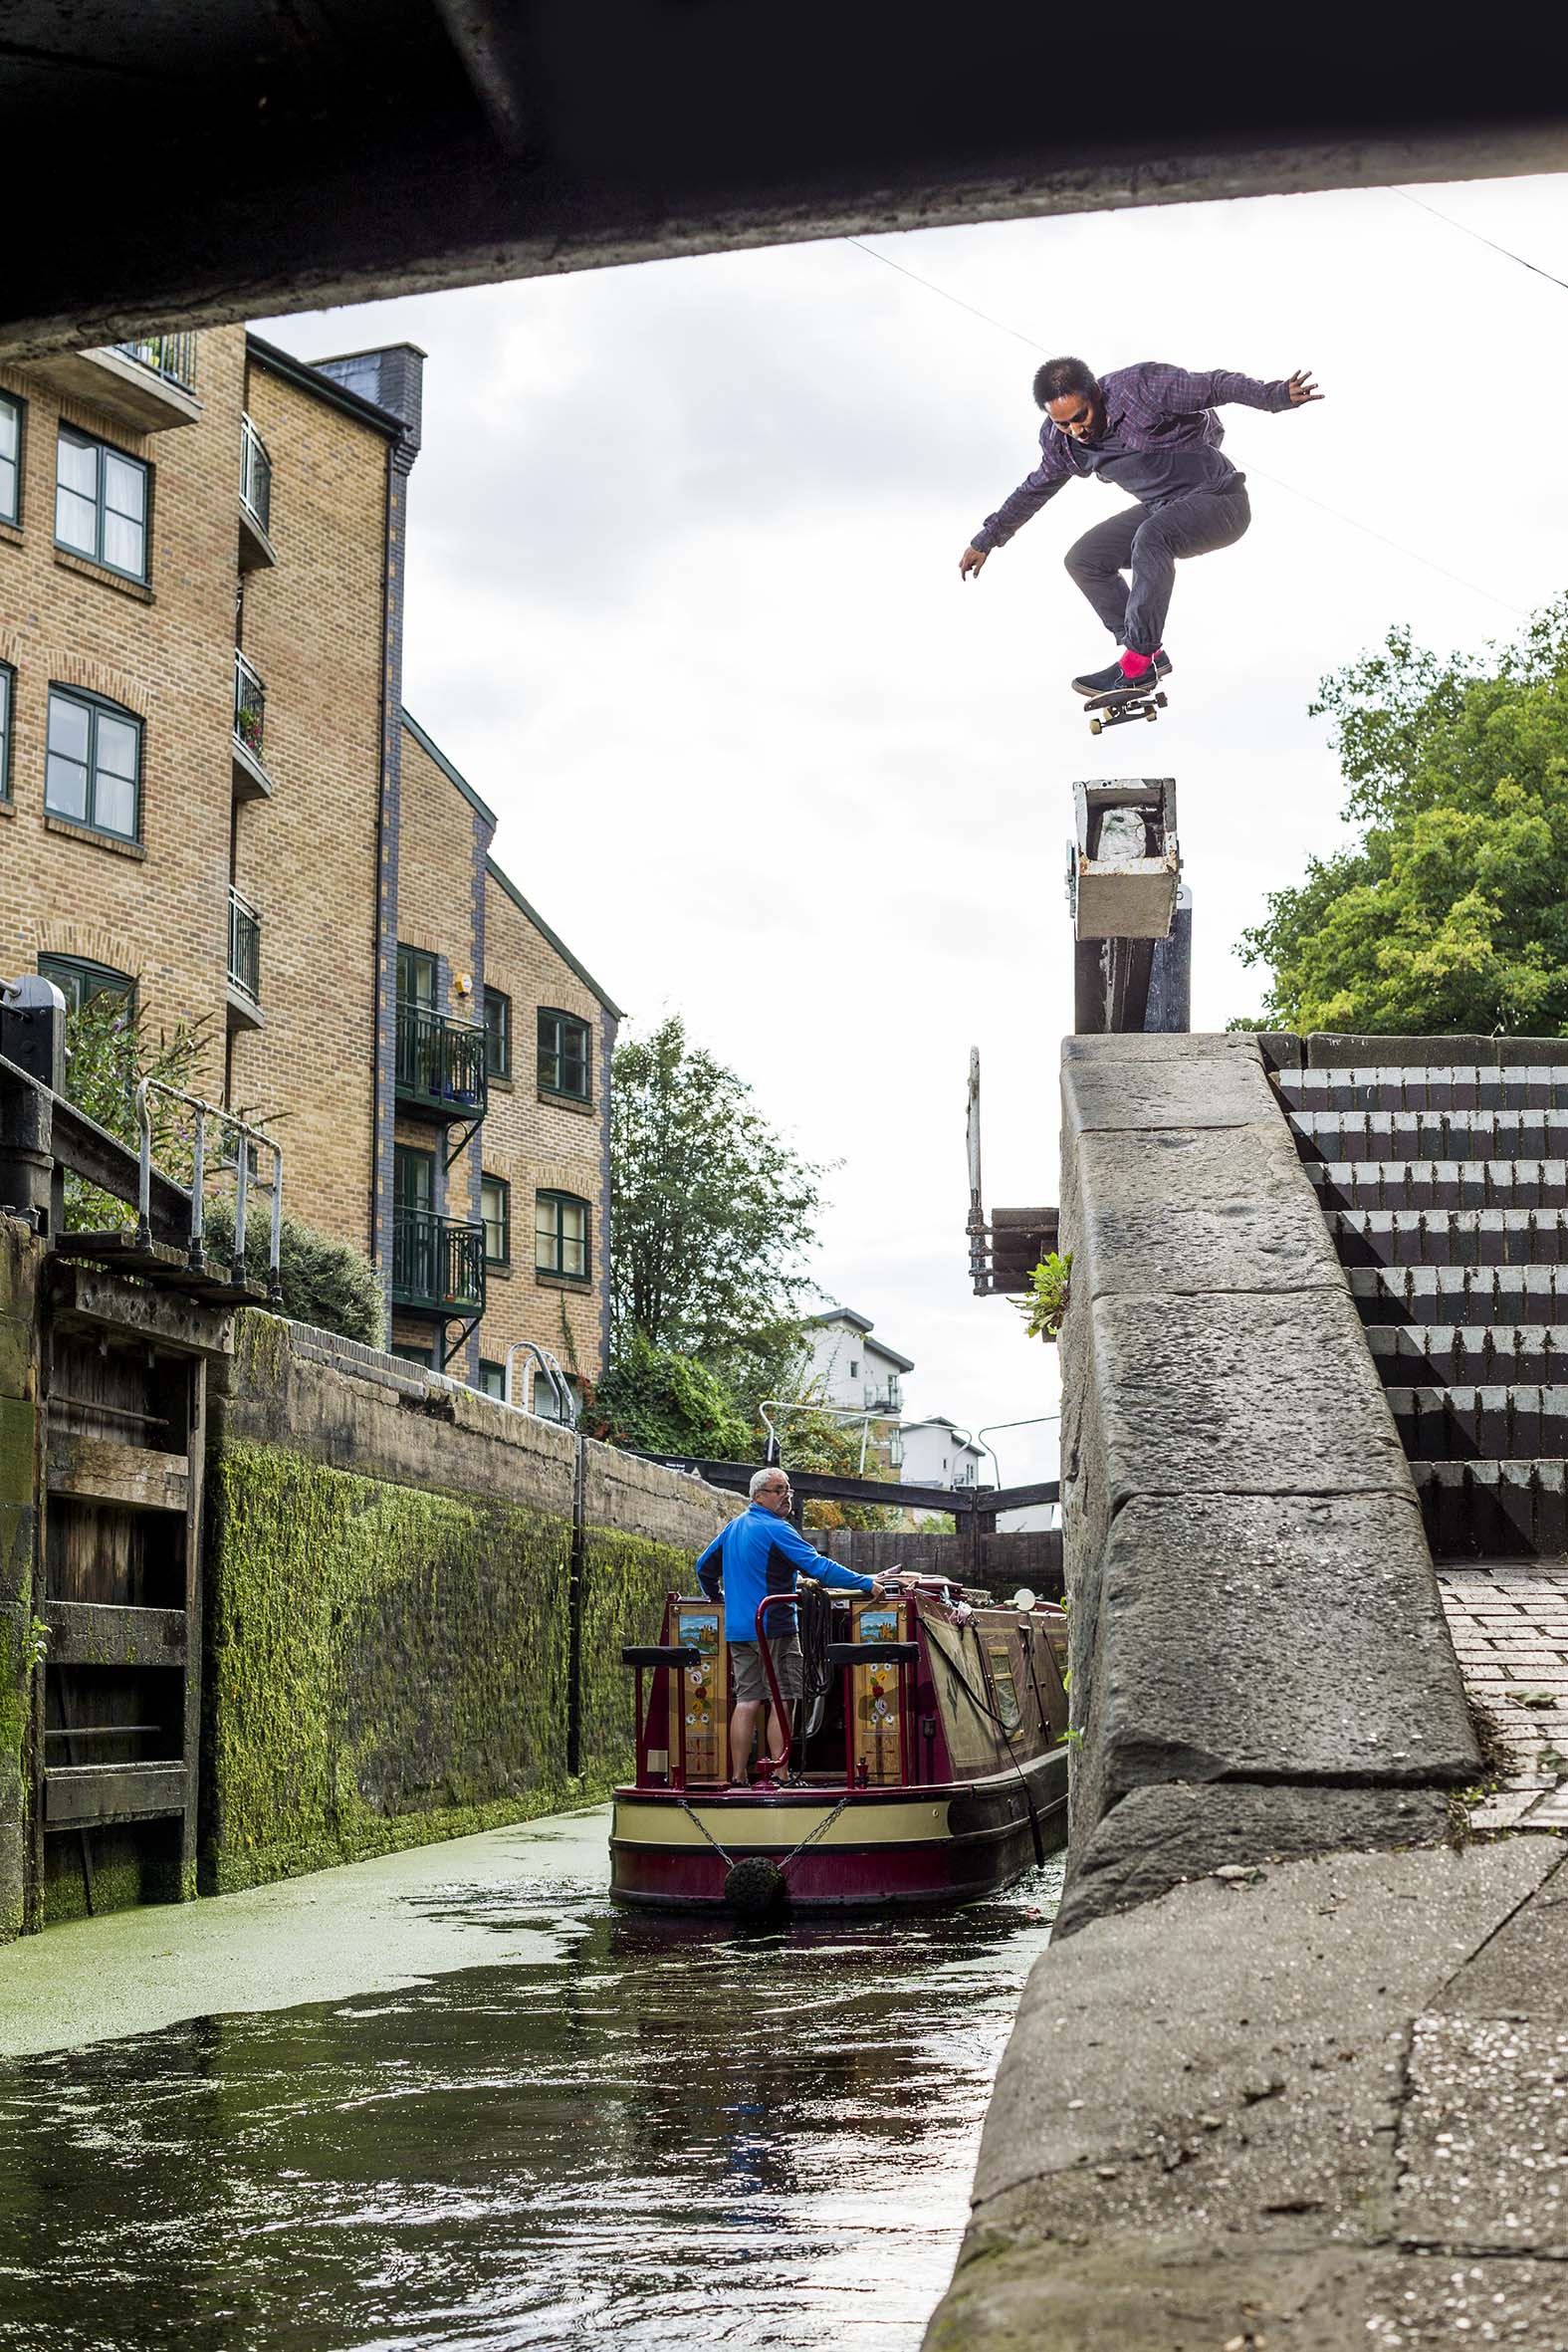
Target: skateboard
(1123,704)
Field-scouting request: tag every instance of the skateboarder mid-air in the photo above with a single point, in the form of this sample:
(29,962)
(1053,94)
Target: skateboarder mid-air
(1152,431)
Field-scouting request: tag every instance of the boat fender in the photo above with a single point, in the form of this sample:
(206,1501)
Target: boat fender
(755,1888)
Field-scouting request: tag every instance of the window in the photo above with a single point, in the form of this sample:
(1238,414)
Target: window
(10,458)
(563,1055)
(416,978)
(495,1207)
(561,1235)
(7,697)
(498,1034)
(493,1380)
(80,983)
(101,504)
(94,771)
(412,1354)
(546,1404)
(414,1179)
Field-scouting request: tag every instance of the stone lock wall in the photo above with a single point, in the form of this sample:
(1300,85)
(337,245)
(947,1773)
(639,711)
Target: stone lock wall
(21,1254)
(1260,1660)
(416,1601)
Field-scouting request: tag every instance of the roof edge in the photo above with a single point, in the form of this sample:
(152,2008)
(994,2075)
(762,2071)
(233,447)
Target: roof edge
(322,387)
(553,938)
(428,744)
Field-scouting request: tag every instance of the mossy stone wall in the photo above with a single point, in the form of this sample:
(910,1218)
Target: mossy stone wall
(394,1565)
(19,1256)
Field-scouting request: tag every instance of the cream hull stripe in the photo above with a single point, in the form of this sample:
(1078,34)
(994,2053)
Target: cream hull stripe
(756,1829)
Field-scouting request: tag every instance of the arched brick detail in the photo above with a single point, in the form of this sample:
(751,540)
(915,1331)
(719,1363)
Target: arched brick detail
(90,943)
(139,694)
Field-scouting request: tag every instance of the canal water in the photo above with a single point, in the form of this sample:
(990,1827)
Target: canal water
(655,2133)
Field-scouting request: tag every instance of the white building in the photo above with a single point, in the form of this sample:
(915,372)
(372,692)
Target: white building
(936,1453)
(846,1368)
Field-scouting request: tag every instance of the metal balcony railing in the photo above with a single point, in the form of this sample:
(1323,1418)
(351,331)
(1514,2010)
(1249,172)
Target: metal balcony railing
(173,357)
(255,475)
(244,946)
(438,1263)
(441,1063)
(250,707)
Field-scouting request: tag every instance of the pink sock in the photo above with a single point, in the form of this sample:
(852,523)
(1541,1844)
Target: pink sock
(1136,665)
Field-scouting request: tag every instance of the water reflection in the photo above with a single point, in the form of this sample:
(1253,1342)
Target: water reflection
(671,2135)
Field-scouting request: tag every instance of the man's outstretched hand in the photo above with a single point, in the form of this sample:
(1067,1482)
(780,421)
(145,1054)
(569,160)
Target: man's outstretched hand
(971,559)
(1303,388)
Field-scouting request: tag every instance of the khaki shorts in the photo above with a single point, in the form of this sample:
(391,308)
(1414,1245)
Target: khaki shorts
(751,1682)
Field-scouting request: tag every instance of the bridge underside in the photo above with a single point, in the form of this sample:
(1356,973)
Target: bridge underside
(213,159)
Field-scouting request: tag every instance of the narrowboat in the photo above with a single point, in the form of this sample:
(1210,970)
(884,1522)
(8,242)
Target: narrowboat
(928,1765)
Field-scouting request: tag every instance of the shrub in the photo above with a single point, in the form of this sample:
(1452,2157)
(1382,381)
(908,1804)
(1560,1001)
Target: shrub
(325,1282)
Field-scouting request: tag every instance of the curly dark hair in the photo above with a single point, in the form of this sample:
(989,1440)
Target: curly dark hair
(1060,378)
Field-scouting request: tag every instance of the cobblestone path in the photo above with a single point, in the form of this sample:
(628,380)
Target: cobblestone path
(1509,1622)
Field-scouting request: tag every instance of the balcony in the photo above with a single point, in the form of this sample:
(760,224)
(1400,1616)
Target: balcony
(146,385)
(251,780)
(438,1264)
(244,961)
(441,1070)
(256,547)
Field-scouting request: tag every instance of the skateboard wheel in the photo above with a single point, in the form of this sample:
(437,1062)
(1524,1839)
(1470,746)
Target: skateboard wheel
(1160,699)
(1151,716)
(1095,726)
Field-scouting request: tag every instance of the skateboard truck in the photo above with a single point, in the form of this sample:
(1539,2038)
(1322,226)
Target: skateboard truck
(1124,704)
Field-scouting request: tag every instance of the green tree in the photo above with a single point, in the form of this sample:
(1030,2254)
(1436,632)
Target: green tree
(1448,911)
(662,1402)
(712,1209)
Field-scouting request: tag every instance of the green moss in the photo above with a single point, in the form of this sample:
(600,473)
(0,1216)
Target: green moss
(261,1351)
(624,1581)
(384,1665)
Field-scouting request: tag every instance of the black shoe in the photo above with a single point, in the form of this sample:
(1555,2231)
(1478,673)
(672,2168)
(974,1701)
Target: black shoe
(1106,682)
(1113,679)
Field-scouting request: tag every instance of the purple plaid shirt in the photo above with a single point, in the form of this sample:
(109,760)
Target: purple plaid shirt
(1161,441)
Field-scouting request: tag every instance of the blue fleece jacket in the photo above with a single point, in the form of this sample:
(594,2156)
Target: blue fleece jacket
(759,1553)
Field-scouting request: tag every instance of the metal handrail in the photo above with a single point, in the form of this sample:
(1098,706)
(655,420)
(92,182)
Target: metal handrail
(255,473)
(244,945)
(549,1365)
(172,356)
(450,1250)
(440,1058)
(249,1139)
(865,1415)
(250,706)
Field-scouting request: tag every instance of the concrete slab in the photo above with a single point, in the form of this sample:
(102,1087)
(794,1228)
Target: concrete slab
(1242,1395)
(1199,1208)
(1125,1082)
(1160,1837)
(1193,2134)
(370,1927)
(1483,2138)
(1315,1647)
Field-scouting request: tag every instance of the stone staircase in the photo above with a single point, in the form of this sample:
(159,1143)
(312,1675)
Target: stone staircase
(1446,1189)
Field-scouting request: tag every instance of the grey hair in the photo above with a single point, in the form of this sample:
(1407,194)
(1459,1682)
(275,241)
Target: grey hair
(759,1477)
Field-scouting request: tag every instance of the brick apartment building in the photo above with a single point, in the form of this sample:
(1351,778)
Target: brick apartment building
(210,793)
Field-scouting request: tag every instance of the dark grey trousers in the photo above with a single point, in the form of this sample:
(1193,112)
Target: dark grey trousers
(1148,541)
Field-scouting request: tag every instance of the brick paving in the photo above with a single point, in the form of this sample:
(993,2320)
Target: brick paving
(1509,1623)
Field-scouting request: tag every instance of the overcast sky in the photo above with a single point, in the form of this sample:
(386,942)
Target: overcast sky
(684,606)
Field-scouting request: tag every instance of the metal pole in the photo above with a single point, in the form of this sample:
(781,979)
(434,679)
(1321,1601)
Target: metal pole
(198,1172)
(242,1178)
(275,1255)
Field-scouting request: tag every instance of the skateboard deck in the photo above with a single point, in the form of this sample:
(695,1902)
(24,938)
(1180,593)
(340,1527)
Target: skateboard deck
(1124,704)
